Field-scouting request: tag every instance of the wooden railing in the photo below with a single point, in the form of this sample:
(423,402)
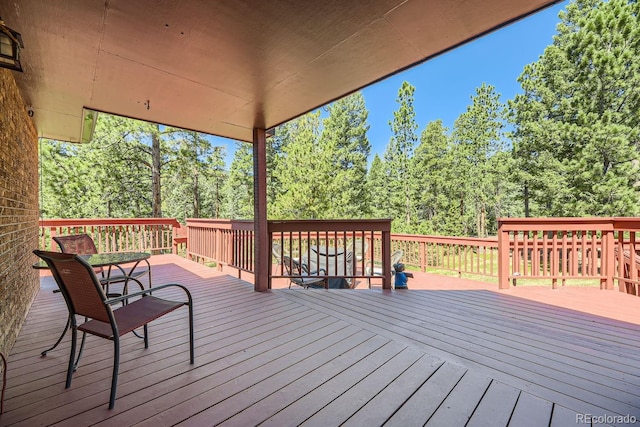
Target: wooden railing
(462,255)
(568,249)
(230,243)
(224,241)
(553,249)
(114,234)
(626,267)
(334,250)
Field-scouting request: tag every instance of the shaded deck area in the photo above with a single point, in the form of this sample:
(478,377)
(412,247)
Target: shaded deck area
(444,353)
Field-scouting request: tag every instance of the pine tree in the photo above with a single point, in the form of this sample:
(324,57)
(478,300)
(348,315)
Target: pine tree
(577,123)
(344,141)
(397,156)
(121,154)
(238,189)
(478,139)
(429,172)
(301,171)
(194,170)
(379,190)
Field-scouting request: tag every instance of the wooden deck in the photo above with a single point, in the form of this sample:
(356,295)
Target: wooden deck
(442,354)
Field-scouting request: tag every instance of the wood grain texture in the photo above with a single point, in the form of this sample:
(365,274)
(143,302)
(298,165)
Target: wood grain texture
(333,357)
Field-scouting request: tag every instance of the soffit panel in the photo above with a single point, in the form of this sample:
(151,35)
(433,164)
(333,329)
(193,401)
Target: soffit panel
(226,67)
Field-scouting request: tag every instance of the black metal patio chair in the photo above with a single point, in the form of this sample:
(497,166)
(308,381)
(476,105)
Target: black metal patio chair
(86,297)
(301,275)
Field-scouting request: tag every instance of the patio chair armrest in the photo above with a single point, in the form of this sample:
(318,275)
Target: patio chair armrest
(149,291)
(121,279)
(134,272)
(317,272)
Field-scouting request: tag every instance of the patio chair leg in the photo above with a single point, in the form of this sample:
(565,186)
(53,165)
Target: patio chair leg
(64,332)
(191,337)
(114,376)
(146,336)
(72,356)
(77,362)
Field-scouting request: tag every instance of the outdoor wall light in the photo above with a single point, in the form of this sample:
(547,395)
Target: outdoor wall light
(10,45)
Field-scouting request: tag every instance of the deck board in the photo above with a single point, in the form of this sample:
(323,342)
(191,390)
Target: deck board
(442,356)
(378,410)
(521,366)
(427,399)
(326,392)
(340,410)
(459,405)
(268,395)
(496,406)
(531,411)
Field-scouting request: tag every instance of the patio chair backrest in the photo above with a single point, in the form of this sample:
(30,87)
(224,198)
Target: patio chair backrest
(276,250)
(76,244)
(81,244)
(291,265)
(362,247)
(396,256)
(79,285)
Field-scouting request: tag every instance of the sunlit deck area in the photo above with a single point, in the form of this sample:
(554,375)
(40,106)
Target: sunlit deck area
(446,352)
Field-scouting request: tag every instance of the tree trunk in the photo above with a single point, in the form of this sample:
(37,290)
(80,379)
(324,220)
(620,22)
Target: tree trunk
(196,196)
(408,209)
(156,204)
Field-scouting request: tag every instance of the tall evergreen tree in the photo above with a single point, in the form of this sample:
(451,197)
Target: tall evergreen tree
(302,171)
(429,173)
(68,185)
(214,197)
(126,163)
(121,153)
(379,189)
(193,163)
(344,141)
(478,139)
(397,155)
(577,123)
(238,188)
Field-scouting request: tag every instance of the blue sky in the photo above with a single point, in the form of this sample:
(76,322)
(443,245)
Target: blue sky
(445,84)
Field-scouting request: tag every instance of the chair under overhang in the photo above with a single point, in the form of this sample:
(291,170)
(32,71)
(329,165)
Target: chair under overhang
(85,296)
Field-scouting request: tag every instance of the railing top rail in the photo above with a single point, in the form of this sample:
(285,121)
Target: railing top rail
(626,223)
(556,224)
(570,224)
(80,222)
(313,225)
(470,241)
(224,224)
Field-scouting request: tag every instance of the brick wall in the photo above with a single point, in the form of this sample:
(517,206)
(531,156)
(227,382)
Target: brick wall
(19,283)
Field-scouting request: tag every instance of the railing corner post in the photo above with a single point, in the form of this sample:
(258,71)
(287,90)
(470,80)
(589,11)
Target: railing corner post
(503,257)
(609,259)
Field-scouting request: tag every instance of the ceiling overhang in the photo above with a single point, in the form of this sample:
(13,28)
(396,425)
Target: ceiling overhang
(226,67)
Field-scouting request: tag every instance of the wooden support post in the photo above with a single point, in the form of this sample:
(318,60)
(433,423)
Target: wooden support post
(386,258)
(261,233)
(503,257)
(608,261)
